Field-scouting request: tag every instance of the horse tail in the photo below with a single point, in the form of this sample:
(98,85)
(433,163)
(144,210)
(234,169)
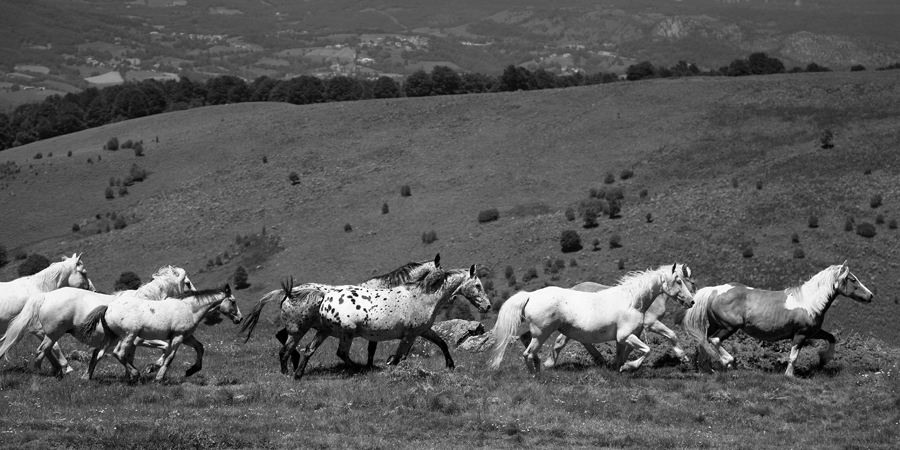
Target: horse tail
(26,320)
(696,319)
(251,319)
(84,331)
(508,319)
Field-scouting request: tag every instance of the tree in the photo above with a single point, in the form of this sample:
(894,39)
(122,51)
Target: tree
(294,178)
(570,241)
(240,278)
(418,84)
(445,81)
(385,87)
(127,281)
(33,264)
(640,71)
(341,89)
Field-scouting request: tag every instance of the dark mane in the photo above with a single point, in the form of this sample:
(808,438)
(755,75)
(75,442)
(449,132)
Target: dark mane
(433,281)
(401,275)
(202,293)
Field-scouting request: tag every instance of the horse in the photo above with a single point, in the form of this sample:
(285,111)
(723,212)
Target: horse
(652,322)
(172,320)
(14,294)
(53,314)
(615,313)
(404,312)
(300,310)
(795,313)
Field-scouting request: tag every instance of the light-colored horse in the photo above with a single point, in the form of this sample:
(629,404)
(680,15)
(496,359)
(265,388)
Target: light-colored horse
(652,322)
(300,310)
(612,314)
(404,312)
(14,294)
(53,314)
(173,320)
(795,313)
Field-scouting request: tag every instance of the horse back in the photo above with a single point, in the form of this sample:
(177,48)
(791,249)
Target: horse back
(759,312)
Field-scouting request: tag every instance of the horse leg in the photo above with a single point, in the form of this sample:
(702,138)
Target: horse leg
(170,356)
(798,342)
(370,361)
(57,365)
(558,345)
(39,356)
(532,352)
(527,339)
(310,350)
(827,353)
(282,336)
(121,352)
(95,357)
(643,350)
(288,349)
(58,353)
(343,352)
(664,331)
(716,339)
(437,340)
(193,343)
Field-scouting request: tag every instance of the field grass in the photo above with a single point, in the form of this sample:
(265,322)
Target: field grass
(240,400)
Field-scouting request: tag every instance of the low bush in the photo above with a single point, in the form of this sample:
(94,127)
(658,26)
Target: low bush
(112,181)
(69,153)
(570,241)
(33,264)
(127,144)
(429,237)
(610,178)
(348,228)
(384,208)
(240,278)
(570,214)
(892,224)
(265,159)
(643,194)
(120,223)
(294,178)
(590,218)
(759,184)
(798,253)
(621,264)
(747,249)
(405,191)
(38,155)
(127,281)
(813,221)
(50,154)
(795,238)
(76,228)
(110,194)
(123,191)
(596,244)
(530,274)
(734,183)
(875,200)
(615,241)
(866,230)
(112,144)
(849,224)
(626,174)
(138,149)
(827,139)
(879,219)
(573,263)
(136,173)
(488,215)
(4,257)
(508,272)
(649,218)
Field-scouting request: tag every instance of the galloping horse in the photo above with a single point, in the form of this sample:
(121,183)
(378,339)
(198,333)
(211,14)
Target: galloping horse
(173,320)
(14,294)
(795,313)
(300,310)
(615,313)
(652,322)
(53,314)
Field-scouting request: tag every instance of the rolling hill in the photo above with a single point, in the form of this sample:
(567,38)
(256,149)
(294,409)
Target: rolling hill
(726,163)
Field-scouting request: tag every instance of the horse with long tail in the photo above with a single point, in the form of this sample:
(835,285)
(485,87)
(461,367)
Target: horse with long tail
(70,272)
(173,320)
(588,317)
(652,322)
(404,312)
(300,309)
(796,313)
(53,314)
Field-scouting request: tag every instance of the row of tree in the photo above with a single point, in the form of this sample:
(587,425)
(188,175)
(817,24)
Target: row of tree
(58,115)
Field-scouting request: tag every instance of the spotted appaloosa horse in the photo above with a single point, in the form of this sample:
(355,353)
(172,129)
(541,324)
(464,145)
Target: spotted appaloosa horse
(404,312)
(795,313)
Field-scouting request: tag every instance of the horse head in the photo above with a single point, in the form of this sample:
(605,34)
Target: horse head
(77,274)
(229,306)
(473,291)
(680,286)
(848,285)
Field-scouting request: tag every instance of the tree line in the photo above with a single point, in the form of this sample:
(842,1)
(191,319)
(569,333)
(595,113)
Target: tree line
(57,115)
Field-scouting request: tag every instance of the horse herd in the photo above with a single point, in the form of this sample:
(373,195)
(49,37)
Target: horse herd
(402,305)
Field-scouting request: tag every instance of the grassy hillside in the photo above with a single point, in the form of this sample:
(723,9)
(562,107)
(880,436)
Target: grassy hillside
(531,155)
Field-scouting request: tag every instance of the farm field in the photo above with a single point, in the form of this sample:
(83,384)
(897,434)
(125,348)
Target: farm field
(719,165)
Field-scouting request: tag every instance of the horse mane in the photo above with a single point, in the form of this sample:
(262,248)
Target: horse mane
(164,271)
(401,275)
(52,273)
(202,293)
(815,294)
(638,281)
(433,282)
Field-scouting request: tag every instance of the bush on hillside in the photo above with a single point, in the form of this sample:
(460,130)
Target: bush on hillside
(570,241)
(127,281)
(866,230)
(798,253)
(112,181)
(69,153)
(620,264)
(759,185)
(596,245)
(590,218)
(110,194)
(265,159)
(827,139)
(610,178)
(570,214)
(857,68)
(795,238)
(138,149)
(892,224)
(747,249)
(384,208)
(240,278)
(123,191)
(813,221)
(76,228)
(348,228)
(849,224)
(875,201)
(4,257)
(734,183)
(429,237)
(120,223)
(127,144)
(508,272)
(38,155)
(136,173)
(530,274)
(649,218)
(626,174)
(33,264)
(488,215)
(615,241)
(112,144)
(294,178)
(879,219)
(643,193)
(405,191)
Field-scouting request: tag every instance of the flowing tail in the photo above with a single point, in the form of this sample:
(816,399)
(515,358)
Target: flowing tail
(696,320)
(251,319)
(508,320)
(84,331)
(26,320)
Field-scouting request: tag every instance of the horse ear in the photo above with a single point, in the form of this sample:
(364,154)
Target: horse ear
(227,290)
(686,270)
(437,261)
(674,266)
(472,271)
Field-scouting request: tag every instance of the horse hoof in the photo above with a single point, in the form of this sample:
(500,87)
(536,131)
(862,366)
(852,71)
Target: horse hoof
(190,371)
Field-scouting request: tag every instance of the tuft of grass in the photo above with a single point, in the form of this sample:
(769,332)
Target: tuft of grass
(428,237)
(488,215)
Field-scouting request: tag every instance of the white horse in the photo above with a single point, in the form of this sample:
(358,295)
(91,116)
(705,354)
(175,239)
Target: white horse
(612,314)
(404,312)
(173,320)
(14,294)
(53,314)
(652,322)
(796,313)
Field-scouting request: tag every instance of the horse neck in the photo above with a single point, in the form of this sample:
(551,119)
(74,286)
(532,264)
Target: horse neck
(202,304)
(157,289)
(817,294)
(452,281)
(53,277)
(645,295)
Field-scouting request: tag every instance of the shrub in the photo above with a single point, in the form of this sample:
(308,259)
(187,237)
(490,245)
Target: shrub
(429,237)
(875,201)
(384,208)
(20,255)
(127,144)
(866,230)
(69,153)
(626,174)
(643,193)
(218,260)
(120,223)
(76,228)
(530,274)
(127,281)
(867,171)
(596,244)
(511,281)
(488,215)
(4,257)
(649,218)
(348,228)
(265,159)
(138,149)
(33,264)
(615,241)
(614,209)
(50,154)
(758,185)
(615,193)
(560,264)
(570,241)
(90,160)
(405,191)
(798,253)
(508,272)
(112,144)
(112,181)
(857,68)
(610,178)
(747,250)
(879,219)
(590,218)
(240,278)
(570,214)
(849,224)
(294,178)
(621,264)
(892,224)
(123,191)
(110,194)
(734,182)
(813,221)
(826,139)
(38,155)
(795,238)
(593,193)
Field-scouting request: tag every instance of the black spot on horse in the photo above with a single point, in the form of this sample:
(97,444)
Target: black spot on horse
(358,307)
